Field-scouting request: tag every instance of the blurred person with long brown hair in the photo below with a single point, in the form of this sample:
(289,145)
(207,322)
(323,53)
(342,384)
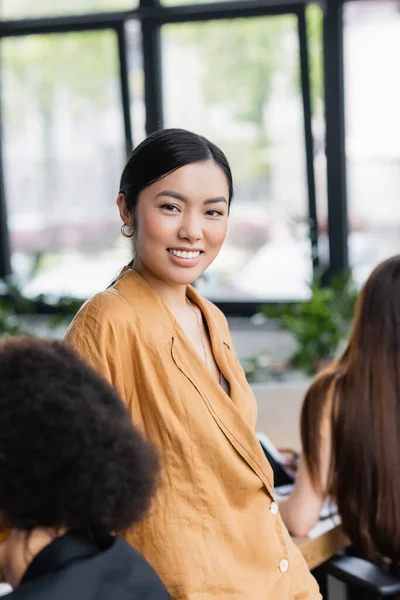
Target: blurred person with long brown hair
(350,428)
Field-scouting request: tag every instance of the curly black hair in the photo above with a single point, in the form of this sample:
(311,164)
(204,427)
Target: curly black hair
(69,454)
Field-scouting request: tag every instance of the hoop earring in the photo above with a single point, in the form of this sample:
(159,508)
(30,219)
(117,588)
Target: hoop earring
(123,232)
(4,534)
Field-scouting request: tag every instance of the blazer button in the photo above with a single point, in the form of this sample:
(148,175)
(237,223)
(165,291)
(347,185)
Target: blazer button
(283,565)
(274,508)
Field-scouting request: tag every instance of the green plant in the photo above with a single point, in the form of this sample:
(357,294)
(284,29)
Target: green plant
(257,368)
(9,324)
(14,305)
(318,324)
(11,300)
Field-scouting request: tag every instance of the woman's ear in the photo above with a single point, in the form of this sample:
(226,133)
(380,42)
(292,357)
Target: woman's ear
(125,214)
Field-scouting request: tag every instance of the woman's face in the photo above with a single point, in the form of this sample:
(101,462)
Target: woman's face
(180,223)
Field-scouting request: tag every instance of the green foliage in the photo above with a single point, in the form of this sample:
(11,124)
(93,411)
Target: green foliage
(314,21)
(9,323)
(239,58)
(82,62)
(11,301)
(14,306)
(257,368)
(242,59)
(319,324)
(243,56)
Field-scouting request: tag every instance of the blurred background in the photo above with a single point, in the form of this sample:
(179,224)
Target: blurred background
(303,97)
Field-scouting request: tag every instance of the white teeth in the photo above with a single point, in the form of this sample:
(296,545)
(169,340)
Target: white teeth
(185,254)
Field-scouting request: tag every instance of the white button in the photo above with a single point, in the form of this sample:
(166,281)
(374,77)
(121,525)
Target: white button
(283,565)
(274,508)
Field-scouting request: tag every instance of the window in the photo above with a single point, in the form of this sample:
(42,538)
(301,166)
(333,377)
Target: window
(237,82)
(63,152)
(22,9)
(175,2)
(136,80)
(372,47)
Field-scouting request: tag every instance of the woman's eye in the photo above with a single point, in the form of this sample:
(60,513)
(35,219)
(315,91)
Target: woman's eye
(169,207)
(215,213)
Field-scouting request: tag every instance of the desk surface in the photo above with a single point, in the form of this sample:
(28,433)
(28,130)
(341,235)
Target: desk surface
(320,549)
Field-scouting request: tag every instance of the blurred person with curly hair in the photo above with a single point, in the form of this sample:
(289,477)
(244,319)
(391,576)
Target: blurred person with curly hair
(74,473)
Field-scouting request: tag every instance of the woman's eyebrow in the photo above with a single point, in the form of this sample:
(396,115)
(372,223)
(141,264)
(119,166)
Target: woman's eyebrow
(171,194)
(216,200)
(182,198)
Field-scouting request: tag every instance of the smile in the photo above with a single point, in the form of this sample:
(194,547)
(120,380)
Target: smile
(184,253)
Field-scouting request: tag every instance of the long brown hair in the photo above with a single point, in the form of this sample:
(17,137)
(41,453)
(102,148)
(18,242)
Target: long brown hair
(364,386)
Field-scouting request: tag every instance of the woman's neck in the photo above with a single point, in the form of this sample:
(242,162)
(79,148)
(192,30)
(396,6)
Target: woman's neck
(19,550)
(172,294)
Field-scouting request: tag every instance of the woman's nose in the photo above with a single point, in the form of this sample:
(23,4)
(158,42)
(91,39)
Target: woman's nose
(191,228)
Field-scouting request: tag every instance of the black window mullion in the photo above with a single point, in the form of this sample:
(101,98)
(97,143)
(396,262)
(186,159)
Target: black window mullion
(5,261)
(124,83)
(151,49)
(308,136)
(5,254)
(335,136)
(238,9)
(64,24)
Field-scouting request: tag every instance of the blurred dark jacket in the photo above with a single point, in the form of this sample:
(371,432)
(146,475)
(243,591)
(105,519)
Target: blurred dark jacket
(74,568)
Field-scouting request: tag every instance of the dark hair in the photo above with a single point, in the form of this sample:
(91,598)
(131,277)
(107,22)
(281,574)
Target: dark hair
(163,152)
(364,384)
(69,454)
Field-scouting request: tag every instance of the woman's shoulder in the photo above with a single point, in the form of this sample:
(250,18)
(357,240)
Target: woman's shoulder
(104,307)
(120,302)
(127,310)
(108,314)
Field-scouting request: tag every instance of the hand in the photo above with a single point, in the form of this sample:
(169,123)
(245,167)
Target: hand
(291,459)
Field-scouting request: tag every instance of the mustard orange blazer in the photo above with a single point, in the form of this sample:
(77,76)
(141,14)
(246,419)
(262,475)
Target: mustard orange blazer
(211,532)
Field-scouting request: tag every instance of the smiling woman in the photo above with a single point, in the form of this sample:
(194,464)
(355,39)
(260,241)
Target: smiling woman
(211,533)
(184,212)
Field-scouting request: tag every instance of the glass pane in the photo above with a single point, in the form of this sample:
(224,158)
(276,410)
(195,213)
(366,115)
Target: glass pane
(63,154)
(243,79)
(20,9)
(136,80)
(372,48)
(175,2)
(315,48)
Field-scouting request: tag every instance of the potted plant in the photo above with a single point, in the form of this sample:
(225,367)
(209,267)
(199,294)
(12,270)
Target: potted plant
(319,324)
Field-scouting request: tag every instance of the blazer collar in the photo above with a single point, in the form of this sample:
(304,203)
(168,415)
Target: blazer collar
(137,291)
(223,409)
(149,305)
(59,553)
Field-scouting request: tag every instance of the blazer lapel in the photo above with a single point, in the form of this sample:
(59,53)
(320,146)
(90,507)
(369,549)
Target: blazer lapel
(224,410)
(228,412)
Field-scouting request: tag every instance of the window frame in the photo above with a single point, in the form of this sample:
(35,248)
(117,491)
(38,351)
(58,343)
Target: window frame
(151,15)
